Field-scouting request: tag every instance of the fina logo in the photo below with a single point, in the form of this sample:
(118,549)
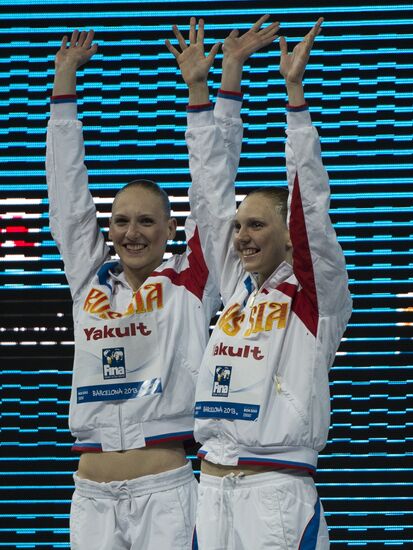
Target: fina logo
(113,360)
(222,381)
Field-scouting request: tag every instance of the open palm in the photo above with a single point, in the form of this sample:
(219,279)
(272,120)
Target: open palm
(241,47)
(193,63)
(78,52)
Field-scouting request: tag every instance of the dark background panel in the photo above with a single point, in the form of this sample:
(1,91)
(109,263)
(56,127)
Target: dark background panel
(132,103)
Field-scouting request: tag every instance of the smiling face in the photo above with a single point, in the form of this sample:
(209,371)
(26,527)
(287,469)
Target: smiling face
(261,236)
(139,229)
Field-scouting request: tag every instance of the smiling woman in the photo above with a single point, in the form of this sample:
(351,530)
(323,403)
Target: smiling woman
(261,235)
(129,410)
(139,230)
(262,398)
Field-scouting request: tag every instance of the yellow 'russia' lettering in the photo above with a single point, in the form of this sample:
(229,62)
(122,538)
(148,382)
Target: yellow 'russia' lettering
(277,313)
(138,302)
(231,320)
(97,302)
(256,319)
(154,295)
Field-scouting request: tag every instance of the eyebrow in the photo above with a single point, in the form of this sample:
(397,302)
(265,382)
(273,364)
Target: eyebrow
(250,219)
(122,215)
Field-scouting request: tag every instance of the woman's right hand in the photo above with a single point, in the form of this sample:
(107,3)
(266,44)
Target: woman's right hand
(80,50)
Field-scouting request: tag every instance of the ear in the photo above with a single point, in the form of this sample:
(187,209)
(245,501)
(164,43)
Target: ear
(172,223)
(288,243)
(110,229)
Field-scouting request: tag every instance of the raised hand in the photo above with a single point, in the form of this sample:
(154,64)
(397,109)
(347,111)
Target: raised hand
(80,50)
(69,58)
(293,65)
(193,63)
(239,48)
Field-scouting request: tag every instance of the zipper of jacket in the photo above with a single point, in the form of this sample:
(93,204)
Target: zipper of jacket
(277,384)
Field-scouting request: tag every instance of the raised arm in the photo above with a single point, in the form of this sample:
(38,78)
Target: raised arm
(214,140)
(72,212)
(237,50)
(68,60)
(192,62)
(318,260)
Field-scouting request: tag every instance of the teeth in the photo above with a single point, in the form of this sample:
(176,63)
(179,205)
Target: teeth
(249,251)
(135,247)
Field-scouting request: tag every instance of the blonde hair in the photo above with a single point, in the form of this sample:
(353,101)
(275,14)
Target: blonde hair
(278,195)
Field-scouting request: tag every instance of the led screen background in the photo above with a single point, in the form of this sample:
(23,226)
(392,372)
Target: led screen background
(132,104)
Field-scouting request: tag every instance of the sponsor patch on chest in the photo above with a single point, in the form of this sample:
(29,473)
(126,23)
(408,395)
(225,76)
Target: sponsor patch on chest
(104,332)
(222,380)
(113,363)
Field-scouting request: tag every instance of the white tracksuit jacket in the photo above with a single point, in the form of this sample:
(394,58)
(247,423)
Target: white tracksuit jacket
(263,394)
(137,355)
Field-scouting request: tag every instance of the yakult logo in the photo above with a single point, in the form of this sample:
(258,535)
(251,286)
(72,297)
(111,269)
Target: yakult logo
(222,380)
(94,333)
(241,351)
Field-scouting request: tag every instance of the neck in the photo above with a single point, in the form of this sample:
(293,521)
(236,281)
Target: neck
(136,279)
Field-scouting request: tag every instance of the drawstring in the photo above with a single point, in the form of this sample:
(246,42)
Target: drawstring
(228,482)
(123,492)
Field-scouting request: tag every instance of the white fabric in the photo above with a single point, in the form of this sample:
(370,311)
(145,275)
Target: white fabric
(149,394)
(150,513)
(290,327)
(257,512)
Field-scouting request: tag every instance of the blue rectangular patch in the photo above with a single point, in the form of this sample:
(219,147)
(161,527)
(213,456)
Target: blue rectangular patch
(113,363)
(230,411)
(222,380)
(115,392)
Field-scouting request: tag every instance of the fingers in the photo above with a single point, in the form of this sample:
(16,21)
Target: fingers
(179,37)
(192,30)
(82,40)
(201,32)
(257,25)
(213,53)
(315,31)
(73,38)
(283,46)
(317,26)
(195,38)
(233,34)
(64,42)
(89,38)
(271,29)
(173,50)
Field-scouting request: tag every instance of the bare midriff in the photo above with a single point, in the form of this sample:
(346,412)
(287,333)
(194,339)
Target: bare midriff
(220,471)
(130,464)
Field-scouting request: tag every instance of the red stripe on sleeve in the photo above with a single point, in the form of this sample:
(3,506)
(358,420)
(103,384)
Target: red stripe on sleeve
(304,305)
(301,306)
(194,277)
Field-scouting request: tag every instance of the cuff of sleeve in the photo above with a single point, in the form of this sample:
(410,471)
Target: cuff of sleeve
(199,108)
(227,94)
(200,115)
(63,107)
(228,104)
(298,117)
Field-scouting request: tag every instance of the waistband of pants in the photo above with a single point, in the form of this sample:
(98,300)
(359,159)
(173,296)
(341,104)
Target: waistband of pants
(241,481)
(135,487)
